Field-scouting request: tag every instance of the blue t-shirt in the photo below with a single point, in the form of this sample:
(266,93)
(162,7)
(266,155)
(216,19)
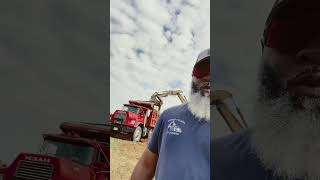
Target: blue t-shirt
(234,159)
(182,143)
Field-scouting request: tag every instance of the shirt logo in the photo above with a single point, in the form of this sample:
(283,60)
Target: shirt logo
(174,126)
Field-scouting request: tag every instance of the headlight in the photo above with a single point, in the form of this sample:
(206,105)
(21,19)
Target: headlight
(133,122)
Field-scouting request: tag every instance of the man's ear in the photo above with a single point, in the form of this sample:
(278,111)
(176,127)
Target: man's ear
(262,43)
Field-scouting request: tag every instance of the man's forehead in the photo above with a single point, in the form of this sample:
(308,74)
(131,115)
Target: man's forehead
(205,78)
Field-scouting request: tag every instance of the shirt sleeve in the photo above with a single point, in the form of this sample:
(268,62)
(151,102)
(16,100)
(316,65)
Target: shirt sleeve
(154,142)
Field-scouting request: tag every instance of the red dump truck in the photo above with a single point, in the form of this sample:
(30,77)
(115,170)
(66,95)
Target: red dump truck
(138,118)
(79,152)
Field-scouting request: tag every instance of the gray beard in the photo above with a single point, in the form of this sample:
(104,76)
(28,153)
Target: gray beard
(286,139)
(199,105)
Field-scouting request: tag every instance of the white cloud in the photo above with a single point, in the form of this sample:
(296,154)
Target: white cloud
(154,45)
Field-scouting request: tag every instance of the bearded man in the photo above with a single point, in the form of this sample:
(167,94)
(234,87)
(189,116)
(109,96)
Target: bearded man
(284,142)
(180,144)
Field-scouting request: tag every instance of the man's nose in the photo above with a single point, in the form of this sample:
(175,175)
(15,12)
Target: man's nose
(311,54)
(205,84)
(206,78)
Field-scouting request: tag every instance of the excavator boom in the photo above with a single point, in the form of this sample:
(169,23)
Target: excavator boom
(157,96)
(217,99)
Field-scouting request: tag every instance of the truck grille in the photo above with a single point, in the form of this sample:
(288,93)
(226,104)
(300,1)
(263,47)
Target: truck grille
(29,170)
(119,118)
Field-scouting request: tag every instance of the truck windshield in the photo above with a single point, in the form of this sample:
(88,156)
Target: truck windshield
(131,109)
(75,152)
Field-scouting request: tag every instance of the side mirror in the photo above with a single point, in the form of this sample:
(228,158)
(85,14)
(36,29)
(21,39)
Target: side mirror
(2,165)
(148,113)
(100,165)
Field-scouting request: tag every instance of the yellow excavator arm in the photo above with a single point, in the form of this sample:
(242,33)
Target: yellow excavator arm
(157,96)
(217,99)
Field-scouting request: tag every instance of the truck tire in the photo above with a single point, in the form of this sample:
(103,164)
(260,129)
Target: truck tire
(150,134)
(137,134)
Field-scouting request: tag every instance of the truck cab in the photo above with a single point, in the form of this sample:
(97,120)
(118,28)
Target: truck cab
(71,155)
(138,118)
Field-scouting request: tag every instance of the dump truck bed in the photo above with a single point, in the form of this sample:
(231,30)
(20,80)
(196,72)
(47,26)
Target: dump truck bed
(99,132)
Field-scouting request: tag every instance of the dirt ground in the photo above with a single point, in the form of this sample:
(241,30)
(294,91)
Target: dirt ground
(124,155)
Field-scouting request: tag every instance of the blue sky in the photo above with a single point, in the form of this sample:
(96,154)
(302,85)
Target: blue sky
(154,45)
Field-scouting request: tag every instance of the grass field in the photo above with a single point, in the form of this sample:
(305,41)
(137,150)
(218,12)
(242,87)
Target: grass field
(124,155)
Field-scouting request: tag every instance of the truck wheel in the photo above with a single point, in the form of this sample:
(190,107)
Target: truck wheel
(137,134)
(150,134)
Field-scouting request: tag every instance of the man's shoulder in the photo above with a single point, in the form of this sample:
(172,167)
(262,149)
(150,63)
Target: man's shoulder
(234,153)
(240,137)
(234,144)
(229,150)
(174,111)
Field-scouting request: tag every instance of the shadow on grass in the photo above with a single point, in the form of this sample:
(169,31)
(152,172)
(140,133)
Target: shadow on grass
(126,137)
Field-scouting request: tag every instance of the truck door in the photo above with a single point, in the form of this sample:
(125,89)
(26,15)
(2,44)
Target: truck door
(102,166)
